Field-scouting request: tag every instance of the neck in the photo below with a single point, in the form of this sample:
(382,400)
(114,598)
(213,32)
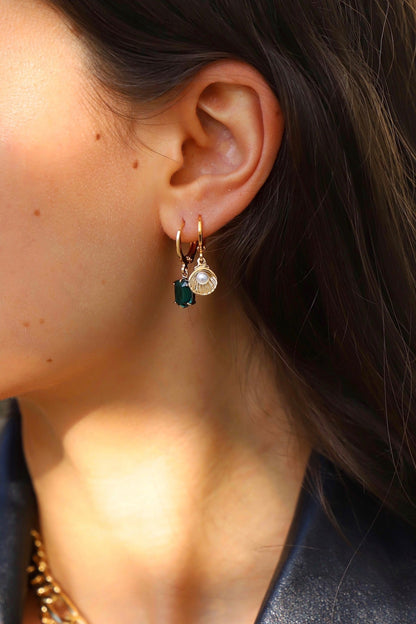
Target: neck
(166,488)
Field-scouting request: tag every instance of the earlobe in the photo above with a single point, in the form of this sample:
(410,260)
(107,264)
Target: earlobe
(234,128)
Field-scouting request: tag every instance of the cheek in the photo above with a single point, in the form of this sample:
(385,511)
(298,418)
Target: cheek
(74,236)
(73,251)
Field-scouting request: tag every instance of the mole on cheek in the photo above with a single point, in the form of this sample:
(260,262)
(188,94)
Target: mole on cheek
(97,136)
(49,361)
(37,213)
(136,164)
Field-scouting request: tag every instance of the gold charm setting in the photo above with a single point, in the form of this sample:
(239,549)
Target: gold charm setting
(203,280)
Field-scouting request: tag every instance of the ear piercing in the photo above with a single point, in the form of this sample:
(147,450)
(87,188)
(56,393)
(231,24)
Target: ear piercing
(202,281)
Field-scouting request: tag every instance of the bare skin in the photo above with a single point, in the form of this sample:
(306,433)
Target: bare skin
(169,506)
(164,462)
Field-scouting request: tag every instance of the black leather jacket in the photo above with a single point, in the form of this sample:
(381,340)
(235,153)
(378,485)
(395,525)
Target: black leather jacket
(366,576)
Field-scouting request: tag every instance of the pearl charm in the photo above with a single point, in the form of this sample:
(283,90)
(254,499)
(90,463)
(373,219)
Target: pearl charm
(203,280)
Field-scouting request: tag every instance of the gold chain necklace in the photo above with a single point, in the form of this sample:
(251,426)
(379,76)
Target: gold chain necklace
(55,606)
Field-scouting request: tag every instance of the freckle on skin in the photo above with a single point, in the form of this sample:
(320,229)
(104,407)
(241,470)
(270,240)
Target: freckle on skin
(49,361)
(26,324)
(97,136)
(136,164)
(37,213)
(103,282)
(42,321)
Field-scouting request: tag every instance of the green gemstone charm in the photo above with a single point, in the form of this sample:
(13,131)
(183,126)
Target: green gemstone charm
(184,296)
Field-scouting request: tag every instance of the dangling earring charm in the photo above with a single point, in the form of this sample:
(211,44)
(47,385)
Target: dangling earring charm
(203,280)
(184,297)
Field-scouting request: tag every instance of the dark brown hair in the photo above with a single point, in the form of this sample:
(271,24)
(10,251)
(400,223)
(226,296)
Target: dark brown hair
(324,257)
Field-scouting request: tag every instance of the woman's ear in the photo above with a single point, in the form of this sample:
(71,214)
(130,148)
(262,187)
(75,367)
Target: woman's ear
(229,128)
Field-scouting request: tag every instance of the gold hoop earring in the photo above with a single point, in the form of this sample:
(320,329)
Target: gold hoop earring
(184,297)
(203,280)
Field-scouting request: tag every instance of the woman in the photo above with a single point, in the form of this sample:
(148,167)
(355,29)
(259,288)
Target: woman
(250,457)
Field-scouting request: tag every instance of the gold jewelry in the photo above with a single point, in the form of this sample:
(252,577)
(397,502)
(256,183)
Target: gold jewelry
(184,297)
(203,280)
(55,606)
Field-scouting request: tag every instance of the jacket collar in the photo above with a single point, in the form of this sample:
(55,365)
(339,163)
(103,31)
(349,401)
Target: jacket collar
(17,516)
(363,571)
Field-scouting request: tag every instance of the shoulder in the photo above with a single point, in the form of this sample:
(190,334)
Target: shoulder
(360,570)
